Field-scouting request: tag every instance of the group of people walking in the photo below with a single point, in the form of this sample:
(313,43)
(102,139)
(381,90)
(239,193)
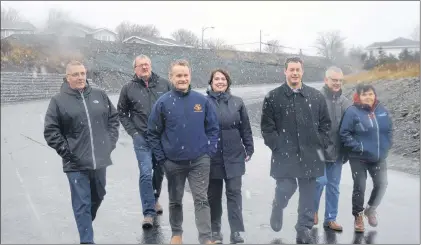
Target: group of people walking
(207,140)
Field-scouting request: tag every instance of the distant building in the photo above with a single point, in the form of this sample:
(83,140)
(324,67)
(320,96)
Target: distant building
(73,29)
(9,28)
(160,41)
(394,47)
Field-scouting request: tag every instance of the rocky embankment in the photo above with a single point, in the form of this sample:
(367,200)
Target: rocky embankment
(110,64)
(402,99)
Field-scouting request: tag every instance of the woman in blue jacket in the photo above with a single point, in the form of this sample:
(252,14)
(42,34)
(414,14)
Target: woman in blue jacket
(366,134)
(235,147)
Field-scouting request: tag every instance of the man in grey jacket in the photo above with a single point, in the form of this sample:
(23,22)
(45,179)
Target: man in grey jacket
(337,103)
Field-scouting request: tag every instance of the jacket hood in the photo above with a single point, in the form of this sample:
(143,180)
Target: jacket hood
(358,103)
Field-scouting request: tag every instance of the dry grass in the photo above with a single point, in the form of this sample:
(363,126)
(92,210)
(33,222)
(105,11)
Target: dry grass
(388,71)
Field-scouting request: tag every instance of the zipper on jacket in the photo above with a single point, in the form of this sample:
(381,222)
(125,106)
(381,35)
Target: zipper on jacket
(378,137)
(90,130)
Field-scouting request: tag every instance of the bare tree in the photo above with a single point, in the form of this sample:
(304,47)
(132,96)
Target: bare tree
(416,33)
(126,29)
(186,37)
(218,44)
(330,45)
(10,15)
(57,16)
(273,47)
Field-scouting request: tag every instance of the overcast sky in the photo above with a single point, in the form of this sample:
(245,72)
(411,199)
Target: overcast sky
(295,24)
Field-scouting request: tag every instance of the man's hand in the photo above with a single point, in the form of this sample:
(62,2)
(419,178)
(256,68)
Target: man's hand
(247,158)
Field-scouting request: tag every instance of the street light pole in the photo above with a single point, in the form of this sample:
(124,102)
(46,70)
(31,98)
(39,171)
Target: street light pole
(203,31)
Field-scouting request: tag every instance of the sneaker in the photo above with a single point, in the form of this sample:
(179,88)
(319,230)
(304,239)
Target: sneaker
(147,222)
(158,208)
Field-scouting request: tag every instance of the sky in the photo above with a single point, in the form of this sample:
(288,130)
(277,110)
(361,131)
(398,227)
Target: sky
(294,24)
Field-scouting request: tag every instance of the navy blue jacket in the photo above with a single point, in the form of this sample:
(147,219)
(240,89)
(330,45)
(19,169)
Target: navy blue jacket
(366,133)
(182,127)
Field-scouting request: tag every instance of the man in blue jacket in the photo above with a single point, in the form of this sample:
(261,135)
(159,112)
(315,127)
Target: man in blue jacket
(183,133)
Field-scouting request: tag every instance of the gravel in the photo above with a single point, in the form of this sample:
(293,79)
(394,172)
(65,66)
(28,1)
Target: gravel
(402,99)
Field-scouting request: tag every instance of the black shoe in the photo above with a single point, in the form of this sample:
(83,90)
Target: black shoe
(147,222)
(276,217)
(236,238)
(217,237)
(304,237)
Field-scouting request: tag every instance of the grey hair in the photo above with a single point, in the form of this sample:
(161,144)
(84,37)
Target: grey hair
(141,57)
(332,69)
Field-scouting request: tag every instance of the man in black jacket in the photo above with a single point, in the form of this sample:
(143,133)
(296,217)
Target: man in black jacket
(295,126)
(81,124)
(134,106)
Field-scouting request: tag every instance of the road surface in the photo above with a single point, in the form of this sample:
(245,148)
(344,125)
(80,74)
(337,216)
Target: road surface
(36,208)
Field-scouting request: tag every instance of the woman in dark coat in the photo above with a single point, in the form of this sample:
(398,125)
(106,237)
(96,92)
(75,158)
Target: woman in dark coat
(235,147)
(366,133)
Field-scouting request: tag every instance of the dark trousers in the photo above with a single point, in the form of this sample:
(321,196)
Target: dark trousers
(87,190)
(157,178)
(378,173)
(197,172)
(286,187)
(234,203)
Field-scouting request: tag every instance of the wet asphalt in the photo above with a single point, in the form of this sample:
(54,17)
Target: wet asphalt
(36,208)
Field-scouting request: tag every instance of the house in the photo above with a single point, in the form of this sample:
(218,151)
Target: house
(9,28)
(160,41)
(394,47)
(73,29)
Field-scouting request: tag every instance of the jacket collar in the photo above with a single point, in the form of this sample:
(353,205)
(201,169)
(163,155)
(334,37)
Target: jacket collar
(288,91)
(65,88)
(330,94)
(181,93)
(152,82)
(219,96)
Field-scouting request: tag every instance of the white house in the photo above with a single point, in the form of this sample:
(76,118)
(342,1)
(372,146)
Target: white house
(394,47)
(10,28)
(74,29)
(160,41)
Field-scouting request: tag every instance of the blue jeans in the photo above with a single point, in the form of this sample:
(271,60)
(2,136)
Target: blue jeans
(144,158)
(87,190)
(331,180)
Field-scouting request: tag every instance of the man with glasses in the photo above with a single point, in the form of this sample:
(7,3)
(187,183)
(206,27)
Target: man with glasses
(134,106)
(337,103)
(81,124)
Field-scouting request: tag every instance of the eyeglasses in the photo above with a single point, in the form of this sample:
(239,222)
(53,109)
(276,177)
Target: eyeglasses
(76,74)
(336,80)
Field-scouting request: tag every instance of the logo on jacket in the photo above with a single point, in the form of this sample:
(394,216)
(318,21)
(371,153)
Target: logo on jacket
(96,102)
(197,108)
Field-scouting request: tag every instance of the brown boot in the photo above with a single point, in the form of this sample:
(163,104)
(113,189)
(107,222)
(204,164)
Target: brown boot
(176,240)
(333,225)
(370,213)
(158,208)
(316,218)
(359,223)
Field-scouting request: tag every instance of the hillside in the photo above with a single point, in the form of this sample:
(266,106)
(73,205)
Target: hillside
(110,64)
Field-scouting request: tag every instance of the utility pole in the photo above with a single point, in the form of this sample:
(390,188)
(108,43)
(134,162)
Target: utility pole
(260,42)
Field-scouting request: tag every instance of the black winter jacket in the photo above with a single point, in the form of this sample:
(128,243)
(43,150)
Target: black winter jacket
(82,127)
(235,136)
(295,126)
(136,101)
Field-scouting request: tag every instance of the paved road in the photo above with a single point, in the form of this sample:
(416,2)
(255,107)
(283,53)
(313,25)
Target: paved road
(35,198)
